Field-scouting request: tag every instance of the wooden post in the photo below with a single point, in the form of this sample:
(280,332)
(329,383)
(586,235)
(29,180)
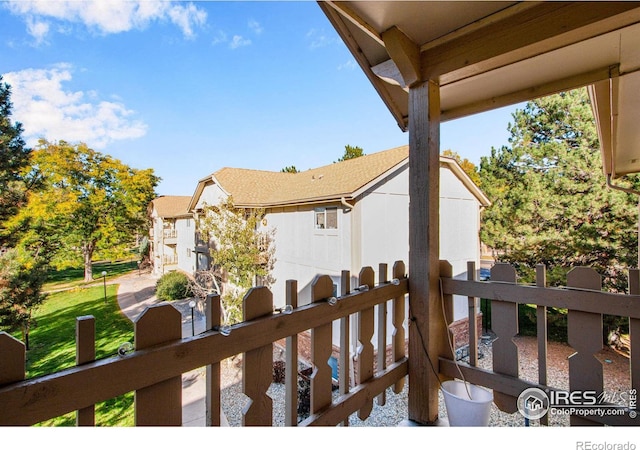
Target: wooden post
(427,329)
(446,271)
(381,360)
(344,383)
(257,364)
(541,324)
(584,332)
(321,342)
(504,321)
(212,394)
(14,357)
(161,403)
(291,363)
(85,352)
(634,332)
(365,334)
(472,303)
(398,316)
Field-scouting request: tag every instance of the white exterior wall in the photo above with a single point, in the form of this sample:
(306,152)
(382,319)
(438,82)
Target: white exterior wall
(385,226)
(157,243)
(375,231)
(302,251)
(185,228)
(211,195)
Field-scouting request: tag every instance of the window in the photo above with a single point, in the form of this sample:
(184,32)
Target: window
(188,253)
(326,218)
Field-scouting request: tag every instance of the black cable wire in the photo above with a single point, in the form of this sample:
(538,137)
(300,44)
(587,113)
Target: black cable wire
(426,353)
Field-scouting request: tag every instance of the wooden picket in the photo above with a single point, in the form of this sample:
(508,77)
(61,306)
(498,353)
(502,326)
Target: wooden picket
(291,362)
(85,352)
(344,365)
(541,331)
(398,315)
(381,355)
(257,364)
(321,290)
(504,318)
(213,313)
(14,357)
(472,305)
(159,404)
(584,331)
(365,334)
(634,332)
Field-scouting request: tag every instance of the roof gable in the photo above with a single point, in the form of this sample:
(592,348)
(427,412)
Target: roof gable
(330,182)
(333,182)
(168,206)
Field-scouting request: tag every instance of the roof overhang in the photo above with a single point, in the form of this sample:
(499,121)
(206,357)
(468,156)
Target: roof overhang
(486,55)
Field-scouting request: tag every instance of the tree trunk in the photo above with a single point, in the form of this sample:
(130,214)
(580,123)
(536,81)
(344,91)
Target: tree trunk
(25,335)
(87,253)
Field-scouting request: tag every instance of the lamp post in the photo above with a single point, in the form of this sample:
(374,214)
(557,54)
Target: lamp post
(192,304)
(104,284)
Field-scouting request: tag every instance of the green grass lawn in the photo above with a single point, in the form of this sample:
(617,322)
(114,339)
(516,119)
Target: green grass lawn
(72,277)
(52,343)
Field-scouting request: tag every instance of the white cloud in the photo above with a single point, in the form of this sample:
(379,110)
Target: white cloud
(220,37)
(349,65)
(187,17)
(112,16)
(318,39)
(255,27)
(239,41)
(47,110)
(38,30)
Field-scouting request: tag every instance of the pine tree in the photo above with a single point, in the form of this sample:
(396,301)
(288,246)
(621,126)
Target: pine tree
(14,158)
(550,201)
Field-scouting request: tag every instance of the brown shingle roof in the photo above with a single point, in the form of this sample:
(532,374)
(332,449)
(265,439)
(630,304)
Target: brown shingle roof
(333,181)
(171,205)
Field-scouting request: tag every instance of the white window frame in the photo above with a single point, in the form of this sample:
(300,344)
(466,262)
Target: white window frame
(322,212)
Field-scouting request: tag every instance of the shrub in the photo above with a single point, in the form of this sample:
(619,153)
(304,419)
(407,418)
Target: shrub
(173,286)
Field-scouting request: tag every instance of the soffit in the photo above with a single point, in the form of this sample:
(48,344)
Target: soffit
(486,55)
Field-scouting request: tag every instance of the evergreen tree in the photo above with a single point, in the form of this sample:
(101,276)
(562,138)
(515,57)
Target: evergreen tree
(289,169)
(14,157)
(550,201)
(351,152)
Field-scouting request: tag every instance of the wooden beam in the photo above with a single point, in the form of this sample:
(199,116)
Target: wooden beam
(355,19)
(533,31)
(563,84)
(427,338)
(335,16)
(405,54)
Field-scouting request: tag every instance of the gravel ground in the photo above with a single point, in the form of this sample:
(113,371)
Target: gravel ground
(616,371)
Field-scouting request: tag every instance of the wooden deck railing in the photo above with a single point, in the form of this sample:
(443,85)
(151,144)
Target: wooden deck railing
(153,369)
(585,304)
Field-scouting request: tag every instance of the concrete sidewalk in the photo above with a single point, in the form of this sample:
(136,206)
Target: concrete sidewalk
(136,292)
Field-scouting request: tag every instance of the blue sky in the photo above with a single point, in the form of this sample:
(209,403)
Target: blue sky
(188,88)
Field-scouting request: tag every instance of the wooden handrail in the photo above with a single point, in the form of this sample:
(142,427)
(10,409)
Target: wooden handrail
(622,305)
(39,399)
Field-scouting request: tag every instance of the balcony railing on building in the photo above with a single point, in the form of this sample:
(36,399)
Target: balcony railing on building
(153,370)
(169,260)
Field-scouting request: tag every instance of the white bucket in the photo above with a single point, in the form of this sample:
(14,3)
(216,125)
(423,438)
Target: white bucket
(464,411)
